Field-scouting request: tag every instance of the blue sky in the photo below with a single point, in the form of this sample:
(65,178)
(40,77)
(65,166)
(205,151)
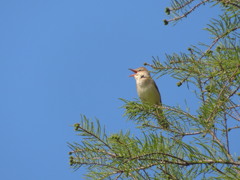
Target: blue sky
(60,59)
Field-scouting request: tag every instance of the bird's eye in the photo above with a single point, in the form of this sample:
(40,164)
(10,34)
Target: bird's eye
(142,76)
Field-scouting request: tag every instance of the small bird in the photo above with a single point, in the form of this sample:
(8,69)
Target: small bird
(148,92)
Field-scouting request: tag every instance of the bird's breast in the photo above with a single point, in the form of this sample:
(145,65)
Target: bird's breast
(147,92)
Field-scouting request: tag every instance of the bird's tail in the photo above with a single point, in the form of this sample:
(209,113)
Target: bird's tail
(162,121)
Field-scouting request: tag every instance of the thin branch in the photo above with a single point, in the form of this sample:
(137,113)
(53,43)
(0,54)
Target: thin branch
(219,105)
(141,174)
(237,88)
(100,164)
(218,170)
(180,112)
(216,40)
(118,176)
(235,127)
(201,89)
(173,68)
(94,135)
(166,172)
(226,131)
(188,163)
(157,153)
(220,144)
(146,174)
(233,107)
(182,6)
(188,12)
(176,132)
(192,133)
(232,116)
(145,167)
(129,151)
(229,2)
(79,150)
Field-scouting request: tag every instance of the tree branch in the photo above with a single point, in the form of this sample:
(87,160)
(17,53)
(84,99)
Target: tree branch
(188,12)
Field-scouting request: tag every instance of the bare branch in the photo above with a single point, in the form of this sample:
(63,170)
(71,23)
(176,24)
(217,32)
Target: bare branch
(182,6)
(188,12)
(235,127)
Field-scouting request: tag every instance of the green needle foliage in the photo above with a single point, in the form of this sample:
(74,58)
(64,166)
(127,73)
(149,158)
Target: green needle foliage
(197,144)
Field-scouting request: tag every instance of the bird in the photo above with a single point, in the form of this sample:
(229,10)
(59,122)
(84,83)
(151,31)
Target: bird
(148,92)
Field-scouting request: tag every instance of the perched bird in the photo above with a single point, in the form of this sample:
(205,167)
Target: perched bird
(148,92)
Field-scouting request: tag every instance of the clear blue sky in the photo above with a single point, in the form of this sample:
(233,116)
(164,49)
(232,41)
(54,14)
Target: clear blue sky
(60,59)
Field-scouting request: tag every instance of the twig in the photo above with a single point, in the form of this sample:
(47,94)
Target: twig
(226,131)
(235,127)
(166,172)
(157,153)
(188,163)
(216,40)
(182,6)
(80,128)
(176,132)
(118,176)
(232,116)
(188,12)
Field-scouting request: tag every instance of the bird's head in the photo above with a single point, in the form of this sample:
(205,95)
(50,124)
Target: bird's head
(140,73)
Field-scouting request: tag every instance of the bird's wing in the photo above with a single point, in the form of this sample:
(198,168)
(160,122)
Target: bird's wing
(158,92)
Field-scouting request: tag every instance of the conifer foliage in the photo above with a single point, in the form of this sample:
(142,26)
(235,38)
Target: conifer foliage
(197,144)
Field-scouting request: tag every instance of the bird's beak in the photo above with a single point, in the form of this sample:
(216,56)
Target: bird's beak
(133,70)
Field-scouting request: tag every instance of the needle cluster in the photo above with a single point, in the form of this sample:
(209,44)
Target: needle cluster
(197,143)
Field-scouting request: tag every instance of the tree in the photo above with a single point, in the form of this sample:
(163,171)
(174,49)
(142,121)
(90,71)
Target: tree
(196,144)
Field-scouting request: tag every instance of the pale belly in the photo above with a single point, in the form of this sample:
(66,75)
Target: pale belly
(149,94)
